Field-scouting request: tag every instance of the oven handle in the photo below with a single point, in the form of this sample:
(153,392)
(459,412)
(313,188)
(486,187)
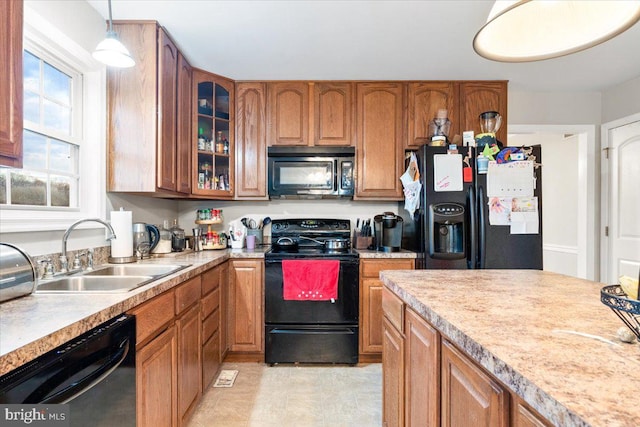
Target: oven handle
(311,331)
(350,261)
(94,378)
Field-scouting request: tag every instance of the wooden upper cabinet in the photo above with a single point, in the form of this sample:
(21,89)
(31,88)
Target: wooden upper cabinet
(142,113)
(184,127)
(11,96)
(379,146)
(333,113)
(167,95)
(479,96)
(251,141)
(469,395)
(213,145)
(288,113)
(423,102)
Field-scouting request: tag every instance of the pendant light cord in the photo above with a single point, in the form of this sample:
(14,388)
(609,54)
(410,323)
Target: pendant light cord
(110,19)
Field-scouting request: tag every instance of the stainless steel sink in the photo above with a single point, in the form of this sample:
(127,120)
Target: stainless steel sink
(94,284)
(111,278)
(156,270)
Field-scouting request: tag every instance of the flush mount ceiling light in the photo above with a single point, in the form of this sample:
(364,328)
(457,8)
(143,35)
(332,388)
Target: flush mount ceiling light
(533,30)
(111,51)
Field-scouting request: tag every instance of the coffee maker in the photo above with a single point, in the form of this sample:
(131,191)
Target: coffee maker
(388,232)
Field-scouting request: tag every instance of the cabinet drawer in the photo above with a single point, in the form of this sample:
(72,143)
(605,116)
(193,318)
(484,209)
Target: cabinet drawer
(210,325)
(210,280)
(153,315)
(393,309)
(210,303)
(187,294)
(373,268)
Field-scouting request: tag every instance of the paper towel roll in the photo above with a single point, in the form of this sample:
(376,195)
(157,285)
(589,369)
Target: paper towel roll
(122,223)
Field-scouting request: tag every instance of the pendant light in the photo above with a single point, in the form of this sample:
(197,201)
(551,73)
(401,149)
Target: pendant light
(111,51)
(533,30)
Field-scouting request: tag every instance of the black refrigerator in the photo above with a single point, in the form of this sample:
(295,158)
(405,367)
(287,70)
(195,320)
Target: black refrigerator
(452,228)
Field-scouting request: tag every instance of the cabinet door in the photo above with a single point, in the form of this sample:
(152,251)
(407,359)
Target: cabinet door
(251,141)
(189,362)
(288,113)
(524,416)
(167,91)
(11,96)
(224,310)
(481,96)
(132,112)
(422,372)
(210,360)
(246,299)
(213,145)
(392,376)
(379,147)
(156,383)
(424,101)
(183,116)
(470,396)
(333,113)
(371,315)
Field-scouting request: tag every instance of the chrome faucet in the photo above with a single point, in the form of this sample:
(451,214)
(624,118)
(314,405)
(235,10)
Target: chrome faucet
(63,259)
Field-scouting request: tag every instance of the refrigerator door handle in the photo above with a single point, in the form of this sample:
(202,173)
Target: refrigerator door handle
(472,260)
(482,231)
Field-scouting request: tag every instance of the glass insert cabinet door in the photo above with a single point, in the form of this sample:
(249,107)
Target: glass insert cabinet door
(213,144)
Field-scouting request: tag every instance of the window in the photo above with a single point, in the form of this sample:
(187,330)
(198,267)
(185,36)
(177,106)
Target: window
(63,175)
(50,174)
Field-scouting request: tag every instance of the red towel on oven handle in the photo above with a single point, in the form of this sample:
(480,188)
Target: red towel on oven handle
(310,280)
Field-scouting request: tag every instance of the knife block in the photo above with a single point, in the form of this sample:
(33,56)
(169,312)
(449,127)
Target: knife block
(363,242)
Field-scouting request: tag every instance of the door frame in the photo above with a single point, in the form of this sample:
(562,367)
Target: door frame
(604,206)
(588,194)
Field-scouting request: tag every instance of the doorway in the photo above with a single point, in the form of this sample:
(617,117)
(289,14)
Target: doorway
(577,212)
(621,207)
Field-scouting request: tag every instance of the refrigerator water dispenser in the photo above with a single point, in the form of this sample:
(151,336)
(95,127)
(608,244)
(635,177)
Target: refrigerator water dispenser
(447,231)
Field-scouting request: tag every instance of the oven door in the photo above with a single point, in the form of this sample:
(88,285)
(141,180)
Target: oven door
(344,310)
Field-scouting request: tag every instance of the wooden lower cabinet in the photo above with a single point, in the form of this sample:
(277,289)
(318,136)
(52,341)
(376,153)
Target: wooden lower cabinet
(214,283)
(422,376)
(189,362)
(524,416)
(470,396)
(246,299)
(371,303)
(428,381)
(392,376)
(156,381)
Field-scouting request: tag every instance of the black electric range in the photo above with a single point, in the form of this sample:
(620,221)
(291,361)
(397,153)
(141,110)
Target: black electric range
(311,331)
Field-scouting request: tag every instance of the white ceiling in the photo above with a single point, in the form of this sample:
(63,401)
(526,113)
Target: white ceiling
(365,40)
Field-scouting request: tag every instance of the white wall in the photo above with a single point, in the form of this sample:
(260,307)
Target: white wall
(559,199)
(278,209)
(554,108)
(621,101)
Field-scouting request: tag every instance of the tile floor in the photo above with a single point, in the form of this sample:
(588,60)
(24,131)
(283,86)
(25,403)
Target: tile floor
(289,395)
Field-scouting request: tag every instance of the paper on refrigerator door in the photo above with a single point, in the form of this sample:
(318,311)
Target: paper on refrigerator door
(513,179)
(447,172)
(524,215)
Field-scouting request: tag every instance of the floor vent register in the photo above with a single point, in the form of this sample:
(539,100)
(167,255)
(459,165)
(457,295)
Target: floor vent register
(226,378)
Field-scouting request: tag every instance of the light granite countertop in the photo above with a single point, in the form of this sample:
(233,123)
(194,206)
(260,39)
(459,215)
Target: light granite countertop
(366,253)
(545,336)
(32,325)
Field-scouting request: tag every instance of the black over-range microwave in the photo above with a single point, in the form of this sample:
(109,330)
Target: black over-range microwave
(311,172)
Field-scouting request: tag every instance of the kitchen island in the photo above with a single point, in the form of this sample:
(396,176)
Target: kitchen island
(546,337)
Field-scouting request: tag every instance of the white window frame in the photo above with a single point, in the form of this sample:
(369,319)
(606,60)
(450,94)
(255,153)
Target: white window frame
(45,37)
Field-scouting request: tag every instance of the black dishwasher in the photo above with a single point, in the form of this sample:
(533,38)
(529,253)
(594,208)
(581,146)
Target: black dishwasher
(94,374)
